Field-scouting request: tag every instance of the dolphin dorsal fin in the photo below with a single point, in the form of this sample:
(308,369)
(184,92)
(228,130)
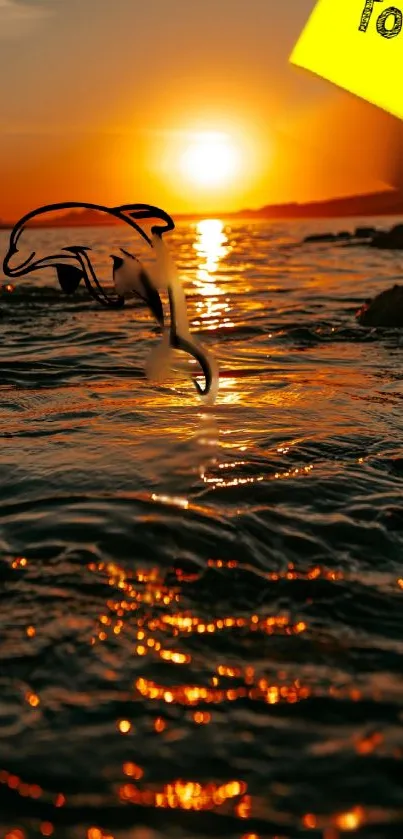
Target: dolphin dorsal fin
(69,277)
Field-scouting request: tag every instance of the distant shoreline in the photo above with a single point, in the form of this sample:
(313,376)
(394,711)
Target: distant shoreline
(387,203)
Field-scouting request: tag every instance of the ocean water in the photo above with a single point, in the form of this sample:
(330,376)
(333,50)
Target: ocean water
(201,622)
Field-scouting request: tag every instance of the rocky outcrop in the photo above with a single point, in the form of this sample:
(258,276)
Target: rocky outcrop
(389,239)
(326,237)
(364,233)
(386,309)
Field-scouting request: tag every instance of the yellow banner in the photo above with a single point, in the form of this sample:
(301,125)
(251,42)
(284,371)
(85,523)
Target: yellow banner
(358,45)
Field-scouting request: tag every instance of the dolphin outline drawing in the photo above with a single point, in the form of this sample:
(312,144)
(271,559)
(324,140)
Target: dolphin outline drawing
(69,276)
(125,212)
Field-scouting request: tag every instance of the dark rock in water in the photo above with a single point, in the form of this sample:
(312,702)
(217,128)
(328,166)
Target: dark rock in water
(392,239)
(386,309)
(365,232)
(321,237)
(329,237)
(387,239)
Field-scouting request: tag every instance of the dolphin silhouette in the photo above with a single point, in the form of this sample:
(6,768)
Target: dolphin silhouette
(73,265)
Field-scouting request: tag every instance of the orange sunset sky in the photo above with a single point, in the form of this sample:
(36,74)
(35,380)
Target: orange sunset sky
(189,105)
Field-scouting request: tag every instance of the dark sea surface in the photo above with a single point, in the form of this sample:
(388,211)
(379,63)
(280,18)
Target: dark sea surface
(201,610)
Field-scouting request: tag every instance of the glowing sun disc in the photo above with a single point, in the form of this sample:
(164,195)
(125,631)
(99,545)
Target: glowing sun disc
(210,160)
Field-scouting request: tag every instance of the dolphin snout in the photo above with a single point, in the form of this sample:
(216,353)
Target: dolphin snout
(14,264)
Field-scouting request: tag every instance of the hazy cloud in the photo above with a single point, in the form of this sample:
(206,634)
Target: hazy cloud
(16,5)
(20,17)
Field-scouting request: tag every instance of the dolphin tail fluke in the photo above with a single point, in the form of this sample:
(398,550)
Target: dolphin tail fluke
(207,363)
(166,276)
(69,278)
(161,361)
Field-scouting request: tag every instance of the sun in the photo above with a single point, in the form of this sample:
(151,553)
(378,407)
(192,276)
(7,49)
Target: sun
(210,160)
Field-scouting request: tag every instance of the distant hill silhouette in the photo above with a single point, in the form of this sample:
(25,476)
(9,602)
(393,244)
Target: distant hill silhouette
(389,202)
(385,203)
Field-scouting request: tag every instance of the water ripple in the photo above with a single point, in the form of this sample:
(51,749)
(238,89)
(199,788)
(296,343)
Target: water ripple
(201,612)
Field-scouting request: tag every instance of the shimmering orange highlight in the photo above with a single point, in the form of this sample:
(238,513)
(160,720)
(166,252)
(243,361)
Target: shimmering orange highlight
(133,771)
(369,744)
(32,699)
(244,809)
(124,726)
(351,820)
(202,718)
(184,795)
(194,694)
(20,562)
(309,821)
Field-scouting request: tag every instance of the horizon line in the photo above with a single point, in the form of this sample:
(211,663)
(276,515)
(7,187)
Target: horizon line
(259,212)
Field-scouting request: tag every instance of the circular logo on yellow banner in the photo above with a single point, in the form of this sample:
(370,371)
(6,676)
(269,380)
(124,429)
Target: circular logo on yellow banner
(358,45)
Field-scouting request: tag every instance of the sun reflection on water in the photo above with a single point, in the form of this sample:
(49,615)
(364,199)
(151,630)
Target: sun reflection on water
(149,607)
(211,247)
